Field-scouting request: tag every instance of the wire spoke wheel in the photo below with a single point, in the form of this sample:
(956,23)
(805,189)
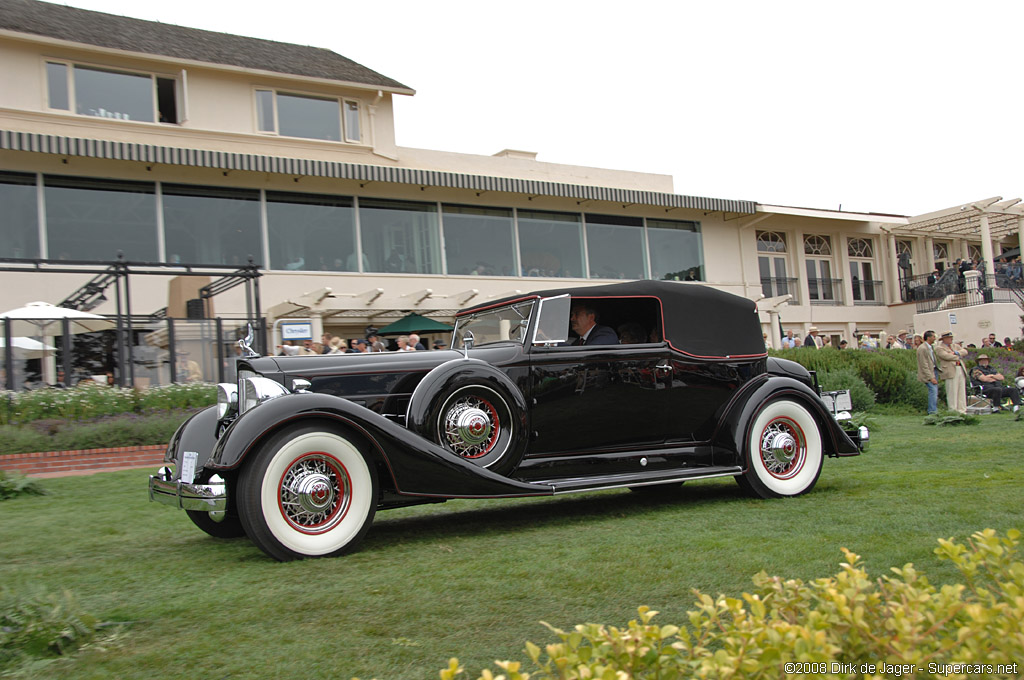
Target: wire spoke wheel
(309,492)
(784,451)
(471,426)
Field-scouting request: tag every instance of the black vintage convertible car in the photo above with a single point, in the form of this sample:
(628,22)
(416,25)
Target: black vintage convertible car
(303,451)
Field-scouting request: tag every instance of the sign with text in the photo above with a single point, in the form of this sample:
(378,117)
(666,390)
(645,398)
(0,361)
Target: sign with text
(296,330)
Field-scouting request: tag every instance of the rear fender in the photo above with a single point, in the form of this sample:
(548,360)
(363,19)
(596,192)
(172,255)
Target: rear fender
(733,431)
(415,465)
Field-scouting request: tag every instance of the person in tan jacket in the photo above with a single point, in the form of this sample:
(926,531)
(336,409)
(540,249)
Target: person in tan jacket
(949,358)
(927,371)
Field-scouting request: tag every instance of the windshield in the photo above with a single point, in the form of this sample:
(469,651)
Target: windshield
(495,325)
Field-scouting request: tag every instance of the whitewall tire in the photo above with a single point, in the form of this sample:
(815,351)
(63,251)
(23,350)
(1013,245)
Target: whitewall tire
(784,451)
(309,492)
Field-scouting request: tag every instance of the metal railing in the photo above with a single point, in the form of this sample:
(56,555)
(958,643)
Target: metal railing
(825,291)
(773,287)
(868,293)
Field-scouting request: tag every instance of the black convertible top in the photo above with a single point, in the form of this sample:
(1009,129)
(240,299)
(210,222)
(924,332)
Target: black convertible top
(697,319)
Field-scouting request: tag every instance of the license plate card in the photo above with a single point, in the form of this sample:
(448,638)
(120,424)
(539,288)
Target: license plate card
(188,466)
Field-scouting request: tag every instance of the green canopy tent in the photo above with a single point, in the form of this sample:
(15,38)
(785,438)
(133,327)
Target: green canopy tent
(414,323)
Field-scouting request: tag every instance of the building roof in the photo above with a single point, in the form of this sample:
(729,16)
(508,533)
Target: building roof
(151,37)
(965,220)
(223,160)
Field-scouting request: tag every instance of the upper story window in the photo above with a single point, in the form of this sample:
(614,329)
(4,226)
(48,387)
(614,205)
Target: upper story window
(306,116)
(111,93)
(770,242)
(859,247)
(817,245)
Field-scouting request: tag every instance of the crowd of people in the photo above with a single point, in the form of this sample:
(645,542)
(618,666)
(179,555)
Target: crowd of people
(333,344)
(940,359)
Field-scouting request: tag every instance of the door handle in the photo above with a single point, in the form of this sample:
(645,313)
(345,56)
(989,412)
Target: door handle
(663,367)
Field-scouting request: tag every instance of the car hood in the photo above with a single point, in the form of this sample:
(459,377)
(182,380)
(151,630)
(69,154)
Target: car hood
(378,362)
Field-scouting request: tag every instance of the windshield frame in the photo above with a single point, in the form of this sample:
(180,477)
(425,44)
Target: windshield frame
(518,314)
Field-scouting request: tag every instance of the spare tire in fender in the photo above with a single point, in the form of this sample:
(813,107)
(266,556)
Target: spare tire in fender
(474,411)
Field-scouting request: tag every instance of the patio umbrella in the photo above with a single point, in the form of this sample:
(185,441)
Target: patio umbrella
(27,348)
(44,316)
(414,323)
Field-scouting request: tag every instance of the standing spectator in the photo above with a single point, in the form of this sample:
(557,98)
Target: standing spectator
(403,344)
(812,339)
(440,344)
(928,371)
(949,358)
(918,341)
(767,341)
(787,340)
(796,342)
(335,345)
(901,341)
(414,340)
(990,381)
(992,340)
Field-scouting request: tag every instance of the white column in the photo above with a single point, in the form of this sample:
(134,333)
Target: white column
(894,271)
(774,329)
(965,253)
(972,282)
(929,254)
(986,252)
(1020,234)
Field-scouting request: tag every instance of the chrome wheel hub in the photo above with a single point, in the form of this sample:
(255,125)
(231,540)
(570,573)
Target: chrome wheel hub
(314,493)
(470,427)
(782,448)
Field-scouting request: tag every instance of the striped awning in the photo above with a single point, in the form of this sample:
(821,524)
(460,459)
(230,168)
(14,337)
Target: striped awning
(222,160)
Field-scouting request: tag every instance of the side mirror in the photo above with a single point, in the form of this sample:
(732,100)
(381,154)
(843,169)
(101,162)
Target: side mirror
(467,342)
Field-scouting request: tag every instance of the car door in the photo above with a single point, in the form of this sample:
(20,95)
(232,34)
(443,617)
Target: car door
(599,398)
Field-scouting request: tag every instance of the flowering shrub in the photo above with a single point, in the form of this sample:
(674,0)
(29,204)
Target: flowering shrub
(847,625)
(89,401)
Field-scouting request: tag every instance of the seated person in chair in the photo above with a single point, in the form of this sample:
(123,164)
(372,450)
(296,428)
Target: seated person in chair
(583,321)
(990,381)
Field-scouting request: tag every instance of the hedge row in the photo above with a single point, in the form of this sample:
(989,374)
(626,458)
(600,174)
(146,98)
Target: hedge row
(88,401)
(843,626)
(886,376)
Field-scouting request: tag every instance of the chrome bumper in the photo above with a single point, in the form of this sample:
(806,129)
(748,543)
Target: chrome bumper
(209,497)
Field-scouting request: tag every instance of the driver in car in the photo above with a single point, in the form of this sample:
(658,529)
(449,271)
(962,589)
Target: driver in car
(583,321)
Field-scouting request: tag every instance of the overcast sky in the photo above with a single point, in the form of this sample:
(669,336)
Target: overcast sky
(893,107)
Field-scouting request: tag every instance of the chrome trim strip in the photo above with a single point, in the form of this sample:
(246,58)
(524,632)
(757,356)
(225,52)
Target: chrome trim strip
(204,497)
(623,485)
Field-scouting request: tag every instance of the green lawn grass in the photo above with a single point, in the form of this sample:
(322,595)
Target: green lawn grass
(473,578)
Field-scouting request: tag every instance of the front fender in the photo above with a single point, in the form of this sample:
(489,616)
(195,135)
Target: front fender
(199,434)
(732,430)
(417,466)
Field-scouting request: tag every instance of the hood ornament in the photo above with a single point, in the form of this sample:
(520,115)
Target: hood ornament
(246,343)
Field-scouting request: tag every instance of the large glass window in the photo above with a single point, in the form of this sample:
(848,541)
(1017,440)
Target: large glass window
(479,241)
(93,219)
(19,218)
(109,93)
(311,232)
(551,244)
(676,249)
(208,225)
(400,236)
(296,115)
(615,247)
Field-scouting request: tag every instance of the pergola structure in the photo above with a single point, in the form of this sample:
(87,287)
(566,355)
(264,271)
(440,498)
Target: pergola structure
(988,219)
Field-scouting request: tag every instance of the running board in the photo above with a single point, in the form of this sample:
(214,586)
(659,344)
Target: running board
(580,484)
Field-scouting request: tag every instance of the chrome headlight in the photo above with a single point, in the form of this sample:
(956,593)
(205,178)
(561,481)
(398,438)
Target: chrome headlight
(227,400)
(257,390)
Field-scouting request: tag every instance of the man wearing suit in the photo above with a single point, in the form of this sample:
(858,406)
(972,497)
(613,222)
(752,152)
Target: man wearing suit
(583,321)
(949,358)
(927,371)
(813,339)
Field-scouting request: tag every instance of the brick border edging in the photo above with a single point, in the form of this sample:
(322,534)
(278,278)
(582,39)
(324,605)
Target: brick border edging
(57,463)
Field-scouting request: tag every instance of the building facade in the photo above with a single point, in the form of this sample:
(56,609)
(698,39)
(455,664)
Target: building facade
(178,148)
